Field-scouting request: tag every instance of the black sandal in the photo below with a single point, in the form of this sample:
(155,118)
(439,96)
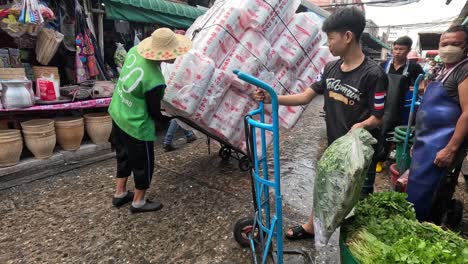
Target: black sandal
(298,232)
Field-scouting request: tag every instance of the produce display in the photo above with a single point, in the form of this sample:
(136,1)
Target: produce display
(341,172)
(266,39)
(385,230)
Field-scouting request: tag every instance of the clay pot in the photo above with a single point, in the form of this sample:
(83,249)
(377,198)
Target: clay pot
(40,144)
(70,132)
(10,133)
(38,125)
(98,127)
(34,134)
(12,145)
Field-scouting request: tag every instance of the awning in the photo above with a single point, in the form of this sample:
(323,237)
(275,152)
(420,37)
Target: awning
(373,42)
(159,12)
(429,40)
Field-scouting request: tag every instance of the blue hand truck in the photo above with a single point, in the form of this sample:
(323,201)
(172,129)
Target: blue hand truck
(265,229)
(265,226)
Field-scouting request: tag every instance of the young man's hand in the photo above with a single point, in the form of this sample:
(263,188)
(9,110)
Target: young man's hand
(358,125)
(261,96)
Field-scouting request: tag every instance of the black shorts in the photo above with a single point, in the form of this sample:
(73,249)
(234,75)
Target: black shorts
(135,156)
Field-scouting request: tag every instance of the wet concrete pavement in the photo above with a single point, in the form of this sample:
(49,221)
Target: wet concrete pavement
(68,218)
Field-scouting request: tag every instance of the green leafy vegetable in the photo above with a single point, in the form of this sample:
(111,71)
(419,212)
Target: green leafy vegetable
(384,231)
(340,175)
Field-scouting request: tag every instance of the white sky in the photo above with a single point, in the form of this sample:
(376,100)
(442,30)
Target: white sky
(423,11)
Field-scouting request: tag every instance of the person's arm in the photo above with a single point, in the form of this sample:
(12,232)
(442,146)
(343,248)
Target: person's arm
(297,99)
(153,99)
(423,84)
(303,98)
(370,123)
(446,156)
(377,92)
(288,100)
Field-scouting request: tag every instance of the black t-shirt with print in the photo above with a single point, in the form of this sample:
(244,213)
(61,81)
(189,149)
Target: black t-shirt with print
(455,79)
(351,97)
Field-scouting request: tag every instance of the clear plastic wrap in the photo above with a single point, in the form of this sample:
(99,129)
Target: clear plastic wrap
(241,35)
(187,83)
(229,114)
(218,85)
(293,42)
(341,172)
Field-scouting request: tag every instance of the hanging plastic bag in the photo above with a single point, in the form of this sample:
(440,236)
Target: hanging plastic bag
(119,56)
(341,172)
(136,40)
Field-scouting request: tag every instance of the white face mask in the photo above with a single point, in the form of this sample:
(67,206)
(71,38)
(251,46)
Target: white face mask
(451,54)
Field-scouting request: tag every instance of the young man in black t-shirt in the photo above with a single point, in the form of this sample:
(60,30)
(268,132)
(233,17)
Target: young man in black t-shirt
(354,88)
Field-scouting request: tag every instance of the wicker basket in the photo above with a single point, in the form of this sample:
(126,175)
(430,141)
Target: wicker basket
(48,41)
(12,74)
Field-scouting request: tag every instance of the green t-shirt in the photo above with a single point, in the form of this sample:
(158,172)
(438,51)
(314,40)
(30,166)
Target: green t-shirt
(128,107)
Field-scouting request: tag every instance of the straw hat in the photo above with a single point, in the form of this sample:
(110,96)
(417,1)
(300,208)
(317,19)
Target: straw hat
(164,44)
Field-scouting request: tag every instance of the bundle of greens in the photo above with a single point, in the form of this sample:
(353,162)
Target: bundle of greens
(384,230)
(340,175)
(381,206)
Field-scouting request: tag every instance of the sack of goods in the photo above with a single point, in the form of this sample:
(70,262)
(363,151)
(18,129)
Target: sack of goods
(263,38)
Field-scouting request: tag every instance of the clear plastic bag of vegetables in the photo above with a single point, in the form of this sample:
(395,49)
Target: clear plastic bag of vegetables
(341,172)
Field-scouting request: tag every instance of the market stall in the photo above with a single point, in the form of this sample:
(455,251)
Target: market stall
(53,76)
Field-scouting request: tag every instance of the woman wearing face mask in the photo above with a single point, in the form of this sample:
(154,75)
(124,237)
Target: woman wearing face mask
(441,131)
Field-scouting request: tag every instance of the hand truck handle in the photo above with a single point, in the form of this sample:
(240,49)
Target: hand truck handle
(261,84)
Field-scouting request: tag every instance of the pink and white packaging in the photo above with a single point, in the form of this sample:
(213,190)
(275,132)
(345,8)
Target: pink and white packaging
(301,34)
(283,13)
(311,51)
(203,20)
(284,80)
(255,12)
(188,81)
(289,115)
(320,58)
(250,56)
(215,43)
(245,35)
(214,94)
(229,114)
(268,137)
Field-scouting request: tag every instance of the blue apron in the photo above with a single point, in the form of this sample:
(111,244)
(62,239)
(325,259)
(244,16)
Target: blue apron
(435,124)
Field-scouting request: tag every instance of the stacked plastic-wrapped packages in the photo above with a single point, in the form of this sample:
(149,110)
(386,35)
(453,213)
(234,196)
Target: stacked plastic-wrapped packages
(264,38)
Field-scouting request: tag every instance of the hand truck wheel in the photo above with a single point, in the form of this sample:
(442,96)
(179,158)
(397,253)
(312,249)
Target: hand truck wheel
(242,229)
(244,163)
(455,214)
(225,153)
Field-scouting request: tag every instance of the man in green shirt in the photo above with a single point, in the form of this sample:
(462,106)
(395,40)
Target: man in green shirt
(134,107)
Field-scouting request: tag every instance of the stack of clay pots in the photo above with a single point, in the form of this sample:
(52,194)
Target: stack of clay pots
(98,127)
(70,132)
(12,145)
(39,136)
